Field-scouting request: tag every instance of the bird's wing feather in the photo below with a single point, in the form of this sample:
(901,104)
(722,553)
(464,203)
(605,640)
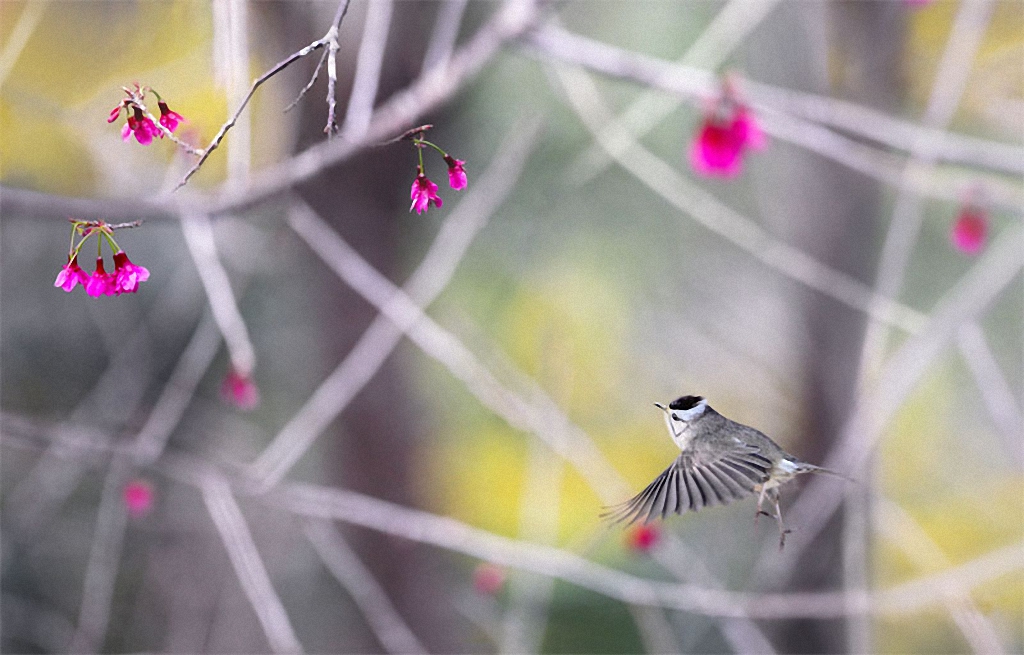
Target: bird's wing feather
(694,481)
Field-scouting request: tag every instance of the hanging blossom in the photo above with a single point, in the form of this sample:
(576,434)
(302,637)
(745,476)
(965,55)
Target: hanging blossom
(970,230)
(239,390)
(729,130)
(424,191)
(139,122)
(125,277)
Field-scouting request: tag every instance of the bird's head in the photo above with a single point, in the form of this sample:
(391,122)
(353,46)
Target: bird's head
(684,409)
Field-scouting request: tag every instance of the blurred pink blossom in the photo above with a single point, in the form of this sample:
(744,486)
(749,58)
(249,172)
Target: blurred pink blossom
(726,134)
(488,579)
(169,118)
(642,538)
(138,498)
(969,230)
(240,390)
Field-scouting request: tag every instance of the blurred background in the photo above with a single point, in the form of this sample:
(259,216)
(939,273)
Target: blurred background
(824,294)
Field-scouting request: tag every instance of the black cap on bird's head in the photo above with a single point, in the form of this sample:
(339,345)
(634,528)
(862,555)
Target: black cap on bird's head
(685,402)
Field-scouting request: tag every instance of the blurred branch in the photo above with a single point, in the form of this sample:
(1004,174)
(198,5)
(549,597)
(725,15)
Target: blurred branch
(202,245)
(533,411)
(730,27)
(446,31)
(948,87)
(247,563)
(995,390)
(104,560)
(906,534)
(447,533)
(899,377)
(707,210)
(343,563)
(176,395)
(428,281)
(368,67)
(17,39)
(694,84)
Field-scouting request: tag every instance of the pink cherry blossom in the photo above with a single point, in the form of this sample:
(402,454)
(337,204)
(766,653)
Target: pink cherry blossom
(456,173)
(70,275)
(240,390)
(127,275)
(488,579)
(138,498)
(143,128)
(168,118)
(727,132)
(100,283)
(423,193)
(115,113)
(969,230)
(642,538)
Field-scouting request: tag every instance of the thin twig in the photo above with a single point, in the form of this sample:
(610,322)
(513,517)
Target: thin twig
(327,39)
(309,85)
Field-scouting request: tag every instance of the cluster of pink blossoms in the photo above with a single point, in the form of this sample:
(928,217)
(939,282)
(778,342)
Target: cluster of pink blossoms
(139,123)
(728,131)
(424,192)
(125,277)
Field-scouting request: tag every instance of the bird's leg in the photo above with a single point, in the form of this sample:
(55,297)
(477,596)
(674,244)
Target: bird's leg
(778,516)
(760,502)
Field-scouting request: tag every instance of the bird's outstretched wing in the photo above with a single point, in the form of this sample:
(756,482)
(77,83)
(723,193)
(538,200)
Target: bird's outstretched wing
(693,482)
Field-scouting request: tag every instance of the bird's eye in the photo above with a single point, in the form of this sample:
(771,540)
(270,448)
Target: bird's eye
(675,417)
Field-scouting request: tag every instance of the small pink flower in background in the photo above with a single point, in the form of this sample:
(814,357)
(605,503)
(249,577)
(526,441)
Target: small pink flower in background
(642,538)
(70,275)
(728,131)
(100,283)
(240,390)
(126,274)
(969,230)
(456,173)
(138,498)
(168,118)
(488,579)
(423,193)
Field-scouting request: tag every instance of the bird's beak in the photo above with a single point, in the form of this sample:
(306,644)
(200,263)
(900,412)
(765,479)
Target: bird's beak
(661,407)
